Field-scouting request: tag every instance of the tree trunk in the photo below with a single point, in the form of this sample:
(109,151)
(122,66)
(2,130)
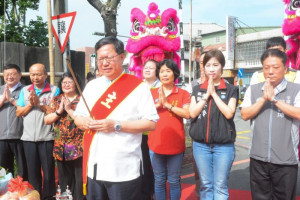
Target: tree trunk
(109,15)
(110,25)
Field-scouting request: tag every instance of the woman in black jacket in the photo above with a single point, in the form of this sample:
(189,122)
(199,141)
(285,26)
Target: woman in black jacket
(212,108)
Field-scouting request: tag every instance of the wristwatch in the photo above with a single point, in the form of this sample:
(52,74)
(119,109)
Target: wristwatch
(274,99)
(118,126)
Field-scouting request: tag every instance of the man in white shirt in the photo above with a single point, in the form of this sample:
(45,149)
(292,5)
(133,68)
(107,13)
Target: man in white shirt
(114,159)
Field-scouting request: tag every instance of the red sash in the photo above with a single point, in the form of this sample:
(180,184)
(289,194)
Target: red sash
(108,101)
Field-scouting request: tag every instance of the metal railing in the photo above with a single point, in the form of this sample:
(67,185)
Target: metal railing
(27,74)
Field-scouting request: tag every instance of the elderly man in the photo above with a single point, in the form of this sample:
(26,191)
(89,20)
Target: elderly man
(11,127)
(273,107)
(37,137)
(121,109)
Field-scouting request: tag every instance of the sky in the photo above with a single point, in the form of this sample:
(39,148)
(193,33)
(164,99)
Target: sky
(88,20)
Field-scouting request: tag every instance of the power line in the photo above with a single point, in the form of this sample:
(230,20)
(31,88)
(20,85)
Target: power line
(240,27)
(246,25)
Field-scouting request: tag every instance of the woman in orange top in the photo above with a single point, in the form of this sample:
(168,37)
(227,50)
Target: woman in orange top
(167,142)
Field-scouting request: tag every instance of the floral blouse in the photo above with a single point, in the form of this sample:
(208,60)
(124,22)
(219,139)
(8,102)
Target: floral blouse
(68,137)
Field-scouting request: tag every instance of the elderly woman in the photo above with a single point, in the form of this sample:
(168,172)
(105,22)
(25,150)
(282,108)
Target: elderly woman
(167,141)
(68,139)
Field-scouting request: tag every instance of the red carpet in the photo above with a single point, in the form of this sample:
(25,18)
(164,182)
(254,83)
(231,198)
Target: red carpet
(188,193)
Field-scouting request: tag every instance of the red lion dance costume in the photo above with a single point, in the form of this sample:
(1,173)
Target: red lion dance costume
(291,28)
(153,36)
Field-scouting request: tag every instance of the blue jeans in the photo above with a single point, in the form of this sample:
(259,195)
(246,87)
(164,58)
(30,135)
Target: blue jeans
(213,162)
(166,167)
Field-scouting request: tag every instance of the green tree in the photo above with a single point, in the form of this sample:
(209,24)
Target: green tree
(13,26)
(35,34)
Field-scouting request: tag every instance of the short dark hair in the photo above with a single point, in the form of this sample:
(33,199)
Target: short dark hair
(12,66)
(214,53)
(69,75)
(151,60)
(90,76)
(274,53)
(203,52)
(118,44)
(171,64)
(276,41)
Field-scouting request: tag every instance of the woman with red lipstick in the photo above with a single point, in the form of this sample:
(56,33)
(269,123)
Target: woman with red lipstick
(167,141)
(212,110)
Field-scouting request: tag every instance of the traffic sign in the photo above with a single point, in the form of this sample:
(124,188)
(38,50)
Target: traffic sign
(240,72)
(61,27)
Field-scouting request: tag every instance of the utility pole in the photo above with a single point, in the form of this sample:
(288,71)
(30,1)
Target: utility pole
(60,62)
(191,35)
(52,73)
(181,42)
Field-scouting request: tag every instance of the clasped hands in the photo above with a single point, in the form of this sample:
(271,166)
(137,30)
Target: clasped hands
(65,104)
(6,96)
(211,91)
(33,99)
(268,93)
(103,125)
(162,99)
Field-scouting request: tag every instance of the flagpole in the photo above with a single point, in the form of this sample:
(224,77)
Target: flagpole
(52,80)
(78,87)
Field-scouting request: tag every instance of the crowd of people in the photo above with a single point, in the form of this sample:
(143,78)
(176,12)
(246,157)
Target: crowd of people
(124,138)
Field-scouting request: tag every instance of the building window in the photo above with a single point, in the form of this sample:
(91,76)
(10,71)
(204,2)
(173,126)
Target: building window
(250,50)
(217,39)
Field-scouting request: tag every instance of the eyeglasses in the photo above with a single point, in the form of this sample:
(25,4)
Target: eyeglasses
(67,82)
(10,74)
(107,59)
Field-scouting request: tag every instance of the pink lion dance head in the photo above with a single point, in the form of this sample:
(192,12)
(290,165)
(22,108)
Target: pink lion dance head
(291,28)
(153,36)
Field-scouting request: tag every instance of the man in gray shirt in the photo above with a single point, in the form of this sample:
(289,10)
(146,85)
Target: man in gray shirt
(273,107)
(11,126)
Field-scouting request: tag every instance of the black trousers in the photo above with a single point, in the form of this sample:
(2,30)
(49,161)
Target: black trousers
(70,173)
(10,149)
(39,155)
(104,190)
(271,181)
(147,177)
